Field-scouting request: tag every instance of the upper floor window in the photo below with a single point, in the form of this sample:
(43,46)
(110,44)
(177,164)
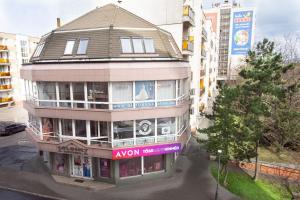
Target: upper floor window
(82,47)
(149,45)
(137,45)
(126,45)
(69,47)
(38,50)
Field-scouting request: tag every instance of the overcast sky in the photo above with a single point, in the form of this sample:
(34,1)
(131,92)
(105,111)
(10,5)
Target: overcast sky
(37,17)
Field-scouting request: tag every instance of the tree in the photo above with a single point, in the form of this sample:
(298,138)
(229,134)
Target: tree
(261,82)
(226,133)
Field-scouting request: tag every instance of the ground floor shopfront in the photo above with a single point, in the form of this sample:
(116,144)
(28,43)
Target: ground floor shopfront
(108,170)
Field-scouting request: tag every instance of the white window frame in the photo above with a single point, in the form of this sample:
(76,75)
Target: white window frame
(69,47)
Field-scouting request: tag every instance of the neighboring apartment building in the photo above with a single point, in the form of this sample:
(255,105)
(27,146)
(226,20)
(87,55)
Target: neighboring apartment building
(235,28)
(185,20)
(15,49)
(108,98)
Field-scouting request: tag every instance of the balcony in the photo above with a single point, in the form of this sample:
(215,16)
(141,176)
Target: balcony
(188,46)
(6,100)
(5,87)
(3,47)
(4,60)
(4,74)
(188,16)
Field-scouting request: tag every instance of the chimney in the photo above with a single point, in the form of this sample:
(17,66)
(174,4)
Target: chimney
(57,22)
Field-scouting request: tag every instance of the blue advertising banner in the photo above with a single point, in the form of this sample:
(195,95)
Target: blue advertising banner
(241,32)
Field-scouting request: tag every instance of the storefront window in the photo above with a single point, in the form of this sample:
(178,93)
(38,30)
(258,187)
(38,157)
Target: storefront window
(166,90)
(122,92)
(80,128)
(64,94)
(46,91)
(130,167)
(66,125)
(97,92)
(104,168)
(123,129)
(166,126)
(78,94)
(145,128)
(59,164)
(144,91)
(154,163)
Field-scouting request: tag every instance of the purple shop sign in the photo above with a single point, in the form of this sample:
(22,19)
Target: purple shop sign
(145,151)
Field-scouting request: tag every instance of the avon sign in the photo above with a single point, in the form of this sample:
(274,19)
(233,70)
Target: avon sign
(145,151)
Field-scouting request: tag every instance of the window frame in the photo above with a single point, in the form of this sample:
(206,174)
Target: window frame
(142,42)
(131,45)
(147,38)
(82,39)
(70,40)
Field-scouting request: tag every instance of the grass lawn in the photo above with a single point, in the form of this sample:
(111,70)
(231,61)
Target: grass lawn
(243,186)
(270,155)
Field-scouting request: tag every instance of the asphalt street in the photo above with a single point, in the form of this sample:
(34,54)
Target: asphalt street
(11,195)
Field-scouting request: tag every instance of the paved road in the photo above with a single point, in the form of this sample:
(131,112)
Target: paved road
(10,195)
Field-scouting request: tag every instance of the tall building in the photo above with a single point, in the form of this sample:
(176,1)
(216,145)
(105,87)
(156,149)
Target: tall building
(15,49)
(185,20)
(107,96)
(235,28)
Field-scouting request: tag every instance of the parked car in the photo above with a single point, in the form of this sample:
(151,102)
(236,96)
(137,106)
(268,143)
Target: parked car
(8,128)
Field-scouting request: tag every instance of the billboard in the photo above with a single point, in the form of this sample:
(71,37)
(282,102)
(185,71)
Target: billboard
(242,28)
(145,151)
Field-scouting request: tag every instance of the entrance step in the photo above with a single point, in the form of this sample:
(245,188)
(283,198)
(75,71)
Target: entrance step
(86,183)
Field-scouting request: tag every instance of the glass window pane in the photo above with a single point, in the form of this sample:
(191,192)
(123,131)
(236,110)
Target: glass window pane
(144,91)
(64,94)
(166,90)
(66,125)
(78,94)
(138,45)
(46,91)
(80,128)
(121,92)
(149,46)
(130,167)
(82,47)
(94,128)
(69,47)
(123,129)
(145,128)
(104,129)
(154,163)
(97,92)
(126,45)
(105,168)
(59,164)
(166,126)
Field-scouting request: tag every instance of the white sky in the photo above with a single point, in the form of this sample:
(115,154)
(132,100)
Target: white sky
(37,17)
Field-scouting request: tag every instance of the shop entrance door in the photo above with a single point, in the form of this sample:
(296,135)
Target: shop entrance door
(81,166)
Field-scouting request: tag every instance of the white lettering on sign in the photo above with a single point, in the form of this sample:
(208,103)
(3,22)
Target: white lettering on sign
(148,150)
(128,153)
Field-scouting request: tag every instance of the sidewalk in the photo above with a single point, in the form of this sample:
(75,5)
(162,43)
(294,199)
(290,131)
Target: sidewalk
(192,180)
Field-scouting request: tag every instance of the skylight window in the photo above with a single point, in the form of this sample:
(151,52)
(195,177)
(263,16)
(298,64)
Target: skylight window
(82,47)
(149,45)
(69,47)
(38,50)
(126,45)
(138,45)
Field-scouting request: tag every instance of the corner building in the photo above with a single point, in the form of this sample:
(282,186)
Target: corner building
(108,98)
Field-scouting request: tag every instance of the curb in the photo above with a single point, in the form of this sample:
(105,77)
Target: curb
(31,193)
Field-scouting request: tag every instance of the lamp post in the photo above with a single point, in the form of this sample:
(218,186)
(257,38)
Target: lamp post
(219,161)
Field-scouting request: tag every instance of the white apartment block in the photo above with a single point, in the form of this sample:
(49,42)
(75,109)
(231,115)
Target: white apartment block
(15,50)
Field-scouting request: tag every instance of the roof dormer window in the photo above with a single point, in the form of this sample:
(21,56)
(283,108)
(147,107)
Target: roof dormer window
(149,45)
(138,45)
(126,45)
(82,47)
(38,50)
(69,47)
